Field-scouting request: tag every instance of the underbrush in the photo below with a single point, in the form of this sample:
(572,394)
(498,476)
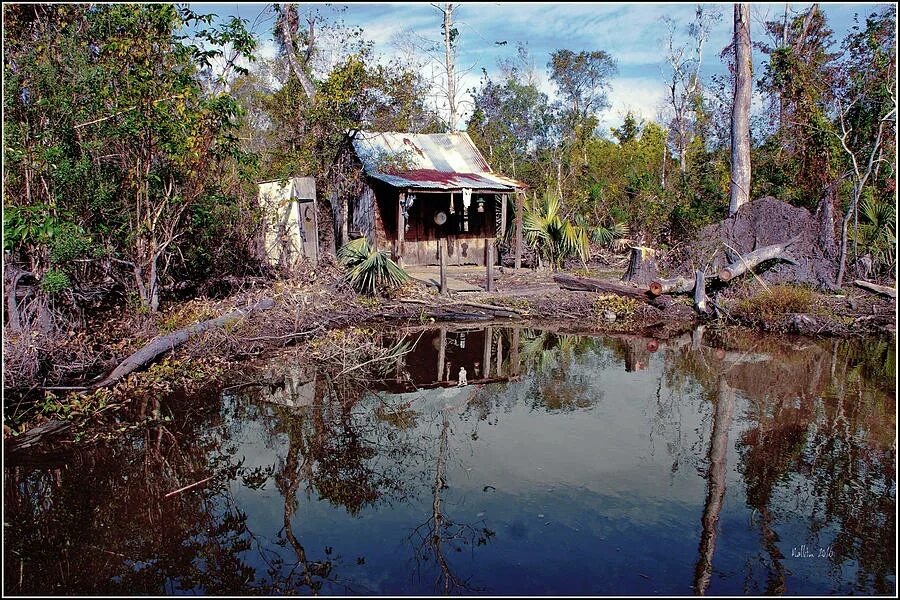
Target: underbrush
(773,304)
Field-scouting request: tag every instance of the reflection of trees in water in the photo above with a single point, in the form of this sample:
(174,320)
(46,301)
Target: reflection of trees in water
(104,525)
(838,439)
(815,419)
(716,475)
(549,358)
(336,448)
(821,421)
(440,533)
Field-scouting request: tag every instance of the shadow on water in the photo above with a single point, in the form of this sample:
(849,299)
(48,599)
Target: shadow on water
(487,460)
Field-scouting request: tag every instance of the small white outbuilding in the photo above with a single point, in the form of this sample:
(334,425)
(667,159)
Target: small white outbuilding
(291,221)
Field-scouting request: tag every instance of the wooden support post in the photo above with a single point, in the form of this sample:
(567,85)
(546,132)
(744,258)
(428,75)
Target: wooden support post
(499,368)
(503,203)
(489,266)
(514,352)
(486,360)
(519,209)
(442,255)
(442,353)
(401,229)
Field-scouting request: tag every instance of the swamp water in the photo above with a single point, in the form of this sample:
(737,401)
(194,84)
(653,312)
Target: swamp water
(566,465)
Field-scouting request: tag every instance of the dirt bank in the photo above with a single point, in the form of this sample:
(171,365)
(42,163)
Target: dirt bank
(761,223)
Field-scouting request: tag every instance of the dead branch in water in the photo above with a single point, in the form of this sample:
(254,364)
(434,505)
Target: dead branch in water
(163,344)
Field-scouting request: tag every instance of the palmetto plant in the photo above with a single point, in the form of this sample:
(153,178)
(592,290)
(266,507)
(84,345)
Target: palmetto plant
(614,236)
(877,232)
(370,271)
(552,236)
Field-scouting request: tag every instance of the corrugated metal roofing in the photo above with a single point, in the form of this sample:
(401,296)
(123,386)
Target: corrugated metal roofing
(441,161)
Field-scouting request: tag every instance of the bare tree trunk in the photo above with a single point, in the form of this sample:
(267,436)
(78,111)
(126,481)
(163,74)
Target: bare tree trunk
(740,110)
(665,152)
(716,476)
(287,25)
(450,66)
(153,285)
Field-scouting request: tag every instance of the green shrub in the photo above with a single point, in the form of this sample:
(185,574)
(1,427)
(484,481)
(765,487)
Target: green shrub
(69,243)
(55,281)
(622,306)
(370,271)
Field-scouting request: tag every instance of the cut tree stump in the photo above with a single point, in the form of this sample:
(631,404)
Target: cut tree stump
(642,266)
(750,260)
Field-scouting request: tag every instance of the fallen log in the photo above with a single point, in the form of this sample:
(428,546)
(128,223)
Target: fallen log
(878,289)
(35,435)
(442,309)
(589,284)
(676,285)
(750,260)
(165,343)
(499,311)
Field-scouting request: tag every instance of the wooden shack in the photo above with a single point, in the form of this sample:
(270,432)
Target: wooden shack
(422,190)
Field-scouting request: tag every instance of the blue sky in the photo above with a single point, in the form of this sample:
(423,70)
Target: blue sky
(632,33)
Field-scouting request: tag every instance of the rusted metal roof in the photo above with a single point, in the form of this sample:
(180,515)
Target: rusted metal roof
(439,161)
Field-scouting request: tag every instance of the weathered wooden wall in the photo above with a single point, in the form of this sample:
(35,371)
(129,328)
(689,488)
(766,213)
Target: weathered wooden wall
(362,215)
(420,245)
(373,213)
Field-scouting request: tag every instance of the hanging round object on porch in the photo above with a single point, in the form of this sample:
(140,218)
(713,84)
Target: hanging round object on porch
(440,217)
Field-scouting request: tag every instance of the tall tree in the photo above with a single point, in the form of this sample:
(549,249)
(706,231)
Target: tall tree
(134,114)
(684,88)
(582,80)
(297,46)
(796,162)
(510,122)
(740,110)
(449,33)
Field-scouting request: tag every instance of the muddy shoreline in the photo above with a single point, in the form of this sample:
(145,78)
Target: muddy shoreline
(304,311)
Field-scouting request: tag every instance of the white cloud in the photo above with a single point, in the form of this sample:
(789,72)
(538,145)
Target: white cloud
(643,96)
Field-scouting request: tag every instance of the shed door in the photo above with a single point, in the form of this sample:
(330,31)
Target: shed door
(308,229)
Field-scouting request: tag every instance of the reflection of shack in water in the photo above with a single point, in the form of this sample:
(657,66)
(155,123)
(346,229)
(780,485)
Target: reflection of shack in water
(290,385)
(447,357)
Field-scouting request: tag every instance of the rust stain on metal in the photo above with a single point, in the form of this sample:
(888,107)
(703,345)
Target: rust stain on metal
(443,161)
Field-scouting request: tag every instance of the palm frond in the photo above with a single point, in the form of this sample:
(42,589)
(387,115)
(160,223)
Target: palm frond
(370,271)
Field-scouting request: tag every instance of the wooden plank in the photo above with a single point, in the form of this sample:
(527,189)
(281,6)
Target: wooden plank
(499,367)
(401,227)
(503,209)
(442,353)
(514,365)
